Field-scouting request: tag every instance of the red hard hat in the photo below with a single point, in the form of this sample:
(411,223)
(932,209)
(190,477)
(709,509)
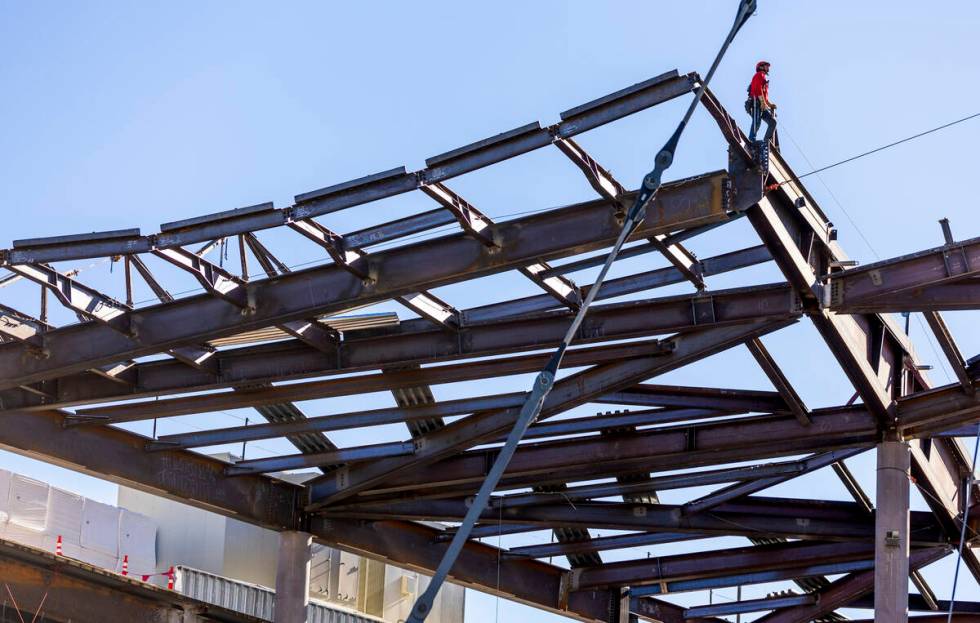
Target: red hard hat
(761,64)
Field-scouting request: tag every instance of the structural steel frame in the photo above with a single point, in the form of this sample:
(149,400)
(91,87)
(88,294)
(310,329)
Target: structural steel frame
(64,390)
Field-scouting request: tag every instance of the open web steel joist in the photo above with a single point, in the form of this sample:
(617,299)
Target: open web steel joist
(260,334)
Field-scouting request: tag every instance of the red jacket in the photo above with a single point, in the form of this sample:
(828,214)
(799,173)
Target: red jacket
(759,86)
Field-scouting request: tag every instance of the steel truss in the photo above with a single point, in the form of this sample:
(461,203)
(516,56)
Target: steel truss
(63,389)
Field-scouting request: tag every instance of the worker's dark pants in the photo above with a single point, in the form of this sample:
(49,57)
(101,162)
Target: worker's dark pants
(758,116)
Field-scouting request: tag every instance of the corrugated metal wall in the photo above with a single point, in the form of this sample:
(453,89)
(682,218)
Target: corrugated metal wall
(251,599)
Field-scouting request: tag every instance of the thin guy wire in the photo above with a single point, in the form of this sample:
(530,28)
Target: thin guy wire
(883,147)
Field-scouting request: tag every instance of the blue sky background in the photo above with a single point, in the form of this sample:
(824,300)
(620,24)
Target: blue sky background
(134,114)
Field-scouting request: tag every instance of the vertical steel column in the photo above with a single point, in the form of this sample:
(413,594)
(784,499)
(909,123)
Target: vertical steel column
(293,576)
(892,533)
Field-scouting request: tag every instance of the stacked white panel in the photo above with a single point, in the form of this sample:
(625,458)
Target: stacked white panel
(137,539)
(27,510)
(100,535)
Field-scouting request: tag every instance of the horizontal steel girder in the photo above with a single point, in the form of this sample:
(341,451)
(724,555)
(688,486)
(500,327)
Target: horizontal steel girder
(698,397)
(932,411)
(719,563)
(293,361)
(665,449)
(309,293)
(568,392)
(389,379)
(753,516)
(845,590)
(620,321)
(908,283)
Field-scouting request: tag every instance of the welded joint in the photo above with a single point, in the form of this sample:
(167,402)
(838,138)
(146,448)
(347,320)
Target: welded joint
(474,222)
(570,581)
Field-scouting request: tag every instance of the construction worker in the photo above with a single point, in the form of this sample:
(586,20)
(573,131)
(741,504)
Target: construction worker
(758,104)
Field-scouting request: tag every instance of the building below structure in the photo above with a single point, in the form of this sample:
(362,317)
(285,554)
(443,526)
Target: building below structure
(234,551)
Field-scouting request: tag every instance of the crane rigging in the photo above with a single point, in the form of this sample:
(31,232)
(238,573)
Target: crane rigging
(545,380)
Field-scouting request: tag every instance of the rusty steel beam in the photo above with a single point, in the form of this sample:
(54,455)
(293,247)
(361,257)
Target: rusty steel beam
(601,544)
(635,319)
(948,345)
(70,387)
(393,379)
(603,182)
(742,489)
(399,271)
(568,392)
(678,447)
(753,517)
(719,563)
(86,302)
(898,279)
(924,413)
(649,395)
(779,380)
(845,590)
(357,263)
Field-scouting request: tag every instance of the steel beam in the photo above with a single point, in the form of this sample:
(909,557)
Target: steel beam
(71,388)
(957,296)
(749,487)
(662,571)
(214,279)
(926,412)
(399,271)
(603,182)
(754,517)
(601,544)
(634,319)
(749,605)
(648,395)
(845,590)
(948,345)
(661,483)
(392,379)
(414,546)
(857,289)
(779,380)
(320,459)
(87,302)
(568,392)
(425,412)
(679,447)
(618,321)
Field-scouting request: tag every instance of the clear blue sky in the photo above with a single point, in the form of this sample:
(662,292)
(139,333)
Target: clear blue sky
(134,114)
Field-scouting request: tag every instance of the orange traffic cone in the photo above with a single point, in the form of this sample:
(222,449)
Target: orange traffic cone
(170,579)
(125,568)
(57,547)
